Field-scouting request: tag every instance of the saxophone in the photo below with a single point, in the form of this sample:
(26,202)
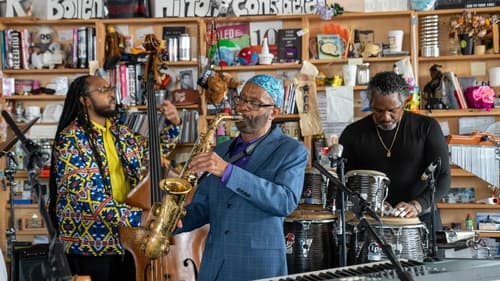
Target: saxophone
(162,219)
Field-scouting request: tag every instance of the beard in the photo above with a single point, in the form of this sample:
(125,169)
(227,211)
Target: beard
(105,111)
(390,127)
(250,125)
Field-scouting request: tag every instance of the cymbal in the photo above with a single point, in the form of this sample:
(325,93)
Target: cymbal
(12,138)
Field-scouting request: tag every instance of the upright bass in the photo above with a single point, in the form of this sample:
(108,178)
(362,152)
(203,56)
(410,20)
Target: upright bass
(150,244)
(148,194)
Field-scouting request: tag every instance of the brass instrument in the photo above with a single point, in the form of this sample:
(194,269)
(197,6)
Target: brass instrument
(163,217)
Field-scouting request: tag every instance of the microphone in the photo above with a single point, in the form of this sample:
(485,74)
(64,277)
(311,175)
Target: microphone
(335,151)
(430,169)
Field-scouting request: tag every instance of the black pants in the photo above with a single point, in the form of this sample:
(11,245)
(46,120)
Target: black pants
(105,268)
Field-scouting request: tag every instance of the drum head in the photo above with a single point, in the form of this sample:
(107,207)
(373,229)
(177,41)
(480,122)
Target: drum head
(395,221)
(364,172)
(311,214)
(400,221)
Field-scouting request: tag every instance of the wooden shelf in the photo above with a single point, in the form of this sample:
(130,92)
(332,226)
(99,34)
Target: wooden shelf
(33,231)
(274,66)
(53,71)
(356,88)
(344,60)
(467,206)
(37,97)
(459,172)
(458,58)
(457,11)
(460,112)
(489,234)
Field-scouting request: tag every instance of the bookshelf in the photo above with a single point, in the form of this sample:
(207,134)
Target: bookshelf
(312,25)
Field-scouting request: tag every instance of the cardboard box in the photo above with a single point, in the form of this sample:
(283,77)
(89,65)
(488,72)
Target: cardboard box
(372,5)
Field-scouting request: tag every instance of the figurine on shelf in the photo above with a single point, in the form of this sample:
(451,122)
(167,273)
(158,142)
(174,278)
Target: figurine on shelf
(114,45)
(433,90)
(46,52)
(218,86)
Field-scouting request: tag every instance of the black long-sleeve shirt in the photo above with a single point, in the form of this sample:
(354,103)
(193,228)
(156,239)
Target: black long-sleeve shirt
(420,141)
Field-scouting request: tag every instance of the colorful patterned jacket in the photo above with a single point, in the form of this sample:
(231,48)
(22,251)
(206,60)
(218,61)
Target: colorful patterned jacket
(88,217)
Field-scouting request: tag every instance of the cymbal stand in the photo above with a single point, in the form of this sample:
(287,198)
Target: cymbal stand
(9,173)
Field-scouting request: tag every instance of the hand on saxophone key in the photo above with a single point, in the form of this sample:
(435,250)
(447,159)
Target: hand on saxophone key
(209,162)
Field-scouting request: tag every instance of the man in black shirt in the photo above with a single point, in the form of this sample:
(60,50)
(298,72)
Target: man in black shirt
(402,145)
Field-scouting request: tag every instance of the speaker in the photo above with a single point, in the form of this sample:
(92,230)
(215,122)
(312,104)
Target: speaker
(31,263)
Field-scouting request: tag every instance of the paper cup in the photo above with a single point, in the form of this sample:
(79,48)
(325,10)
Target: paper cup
(494,76)
(349,74)
(395,40)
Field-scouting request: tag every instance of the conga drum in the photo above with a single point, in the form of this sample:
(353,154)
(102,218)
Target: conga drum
(310,240)
(407,237)
(371,185)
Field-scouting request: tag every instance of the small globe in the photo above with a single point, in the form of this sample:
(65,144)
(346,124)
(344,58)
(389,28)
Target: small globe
(248,56)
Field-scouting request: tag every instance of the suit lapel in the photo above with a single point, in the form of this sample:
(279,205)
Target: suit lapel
(259,155)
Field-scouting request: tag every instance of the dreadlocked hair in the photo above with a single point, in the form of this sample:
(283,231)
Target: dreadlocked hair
(388,83)
(73,109)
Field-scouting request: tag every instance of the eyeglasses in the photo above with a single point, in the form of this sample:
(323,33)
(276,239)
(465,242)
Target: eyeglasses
(104,89)
(252,104)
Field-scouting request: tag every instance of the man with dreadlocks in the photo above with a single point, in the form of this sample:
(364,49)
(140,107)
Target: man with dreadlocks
(95,162)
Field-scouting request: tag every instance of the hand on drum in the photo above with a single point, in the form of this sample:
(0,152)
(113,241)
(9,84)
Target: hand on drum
(402,209)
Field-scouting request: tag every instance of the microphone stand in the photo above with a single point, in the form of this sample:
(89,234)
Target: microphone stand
(11,231)
(360,207)
(340,163)
(59,269)
(433,246)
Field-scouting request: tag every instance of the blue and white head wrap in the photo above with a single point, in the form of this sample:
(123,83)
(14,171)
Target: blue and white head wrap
(272,85)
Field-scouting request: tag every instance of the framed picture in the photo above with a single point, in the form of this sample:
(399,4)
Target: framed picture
(32,221)
(460,195)
(330,46)
(186,78)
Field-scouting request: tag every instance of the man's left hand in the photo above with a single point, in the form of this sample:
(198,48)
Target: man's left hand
(170,112)
(208,162)
(406,210)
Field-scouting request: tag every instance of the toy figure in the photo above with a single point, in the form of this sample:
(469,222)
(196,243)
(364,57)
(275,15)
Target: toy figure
(114,45)
(433,90)
(218,85)
(46,52)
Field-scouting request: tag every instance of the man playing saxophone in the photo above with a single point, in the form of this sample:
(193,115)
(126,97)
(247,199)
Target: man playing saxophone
(253,182)
(96,161)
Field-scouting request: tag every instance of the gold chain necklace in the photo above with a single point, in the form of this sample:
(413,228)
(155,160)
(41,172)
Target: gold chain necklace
(393,140)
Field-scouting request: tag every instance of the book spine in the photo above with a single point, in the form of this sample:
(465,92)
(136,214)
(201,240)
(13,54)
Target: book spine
(82,47)
(25,38)
(16,50)
(90,44)
(131,77)
(123,72)
(3,49)
(74,53)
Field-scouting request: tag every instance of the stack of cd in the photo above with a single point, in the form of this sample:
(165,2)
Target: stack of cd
(429,36)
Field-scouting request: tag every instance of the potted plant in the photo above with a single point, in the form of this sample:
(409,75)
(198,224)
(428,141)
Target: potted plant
(469,28)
